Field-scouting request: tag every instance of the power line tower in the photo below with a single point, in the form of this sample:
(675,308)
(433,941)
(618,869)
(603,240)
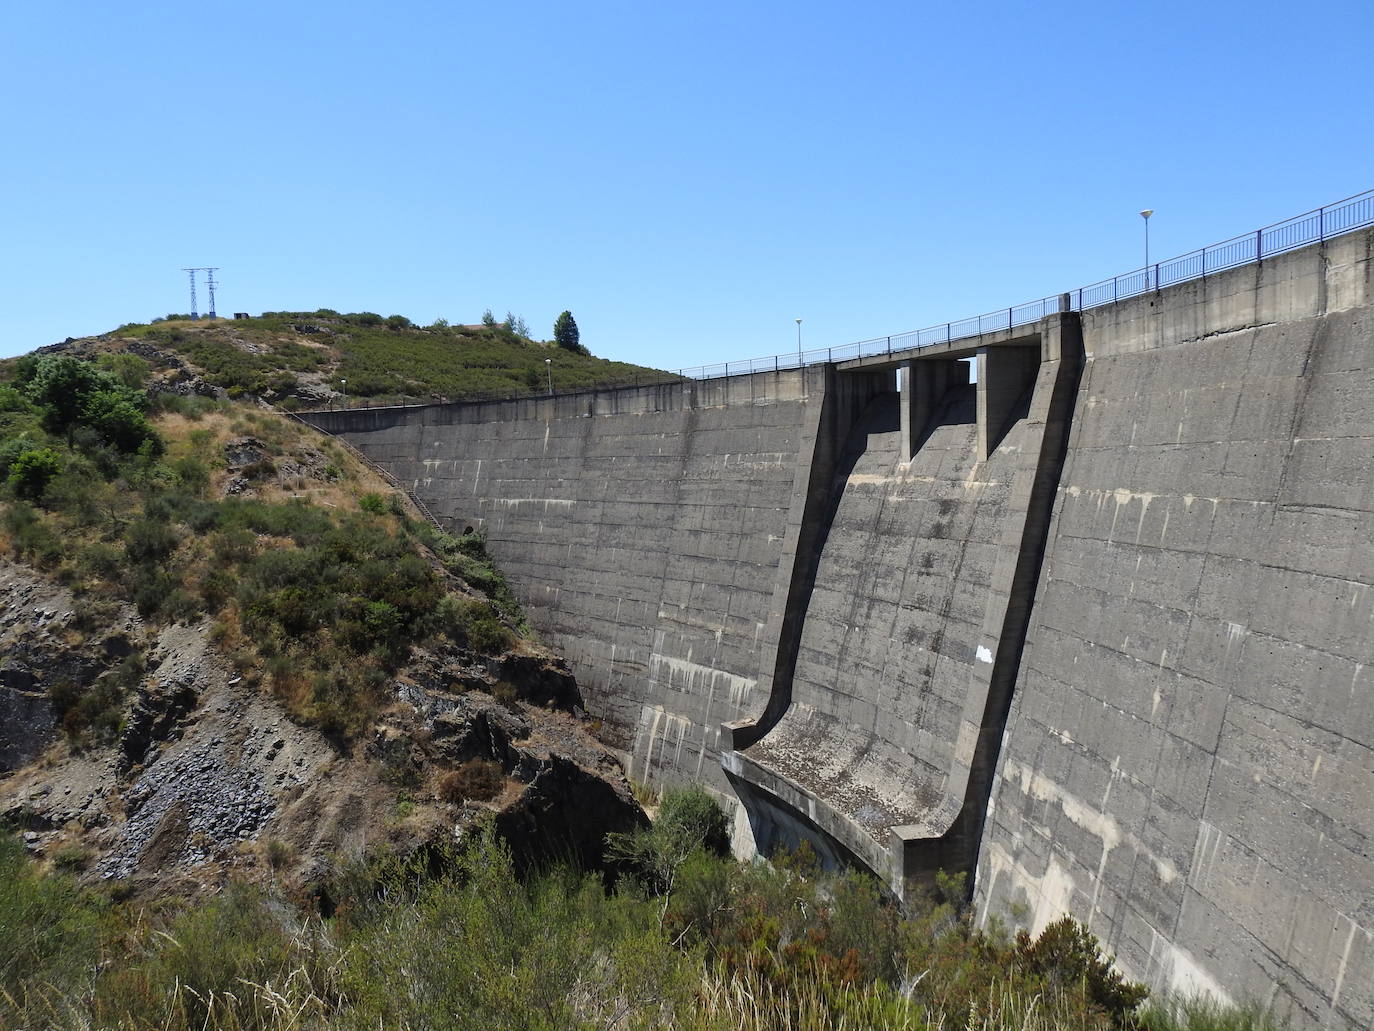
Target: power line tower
(210,286)
(192,273)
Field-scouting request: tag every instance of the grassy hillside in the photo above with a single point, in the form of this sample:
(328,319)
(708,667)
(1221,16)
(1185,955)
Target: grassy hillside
(317,576)
(303,358)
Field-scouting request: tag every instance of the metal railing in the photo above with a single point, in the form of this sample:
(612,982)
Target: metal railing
(1314,226)
(1310,227)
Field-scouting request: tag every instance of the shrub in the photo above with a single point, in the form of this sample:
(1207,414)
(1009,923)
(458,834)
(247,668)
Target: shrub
(1067,953)
(50,930)
(476,624)
(690,815)
(129,369)
(278,853)
(149,540)
(31,472)
(72,858)
(91,715)
(477,780)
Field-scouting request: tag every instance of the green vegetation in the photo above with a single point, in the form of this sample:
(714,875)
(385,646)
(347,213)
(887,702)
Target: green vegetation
(566,335)
(363,355)
(455,939)
(324,601)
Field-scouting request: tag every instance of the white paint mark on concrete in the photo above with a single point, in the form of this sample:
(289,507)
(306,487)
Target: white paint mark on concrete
(984,655)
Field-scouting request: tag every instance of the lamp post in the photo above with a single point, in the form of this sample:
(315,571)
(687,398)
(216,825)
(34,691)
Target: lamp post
(343,393)
(548,368)
(1146,216)
(799,350)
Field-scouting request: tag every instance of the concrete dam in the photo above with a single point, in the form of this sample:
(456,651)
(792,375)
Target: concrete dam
(1094,625)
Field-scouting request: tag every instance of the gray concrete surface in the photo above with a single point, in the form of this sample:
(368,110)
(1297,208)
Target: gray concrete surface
(1123,675)
(1187,764)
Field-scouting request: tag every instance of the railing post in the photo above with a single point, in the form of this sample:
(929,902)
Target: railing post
(1259,244)
(1321,224)
(1008,318)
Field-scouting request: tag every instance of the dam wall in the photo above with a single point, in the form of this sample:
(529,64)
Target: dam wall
(643,530)
(1187,763)
(1094,628)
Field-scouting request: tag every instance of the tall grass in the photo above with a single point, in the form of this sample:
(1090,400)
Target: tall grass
(456,940)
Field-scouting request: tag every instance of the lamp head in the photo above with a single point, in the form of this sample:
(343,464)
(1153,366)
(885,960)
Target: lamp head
(1147,213)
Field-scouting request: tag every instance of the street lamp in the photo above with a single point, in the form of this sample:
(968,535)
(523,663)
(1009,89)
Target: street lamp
(1146,216)
(799,351)
(343,392)
(548,368)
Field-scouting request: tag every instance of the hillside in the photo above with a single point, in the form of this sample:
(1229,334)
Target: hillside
(229,645)
(307,359)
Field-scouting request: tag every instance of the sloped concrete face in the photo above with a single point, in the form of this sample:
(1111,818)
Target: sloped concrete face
(894,624)
(1187,765)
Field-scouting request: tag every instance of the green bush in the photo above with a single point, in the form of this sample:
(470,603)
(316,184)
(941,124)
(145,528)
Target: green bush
(690,816)
(1067,954)
(70,392)
(31,472)
(149,540)
(475,624)
(50,932)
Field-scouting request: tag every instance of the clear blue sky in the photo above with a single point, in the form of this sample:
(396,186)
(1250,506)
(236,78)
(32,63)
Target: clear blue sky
(688,178)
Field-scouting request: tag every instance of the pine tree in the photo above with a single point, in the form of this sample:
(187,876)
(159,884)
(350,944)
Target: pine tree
(565,334)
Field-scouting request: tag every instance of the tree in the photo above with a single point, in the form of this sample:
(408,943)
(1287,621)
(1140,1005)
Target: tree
(61,385)
(517,325)
(565,334)
(70,392)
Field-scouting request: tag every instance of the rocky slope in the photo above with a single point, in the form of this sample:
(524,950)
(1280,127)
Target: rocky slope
(209,775)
